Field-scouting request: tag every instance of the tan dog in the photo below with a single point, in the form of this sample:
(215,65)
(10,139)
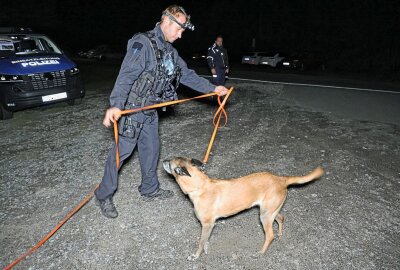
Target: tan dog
(214,198)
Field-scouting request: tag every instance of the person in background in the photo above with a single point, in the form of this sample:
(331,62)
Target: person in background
(218,62)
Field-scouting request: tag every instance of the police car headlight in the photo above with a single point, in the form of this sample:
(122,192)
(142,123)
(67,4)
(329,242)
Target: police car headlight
(74,71)
(10,78)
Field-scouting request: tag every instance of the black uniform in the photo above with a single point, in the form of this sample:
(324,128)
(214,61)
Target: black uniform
(148,75)
(217,58)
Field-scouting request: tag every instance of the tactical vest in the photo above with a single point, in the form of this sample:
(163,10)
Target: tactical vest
(152,87)
(158,85)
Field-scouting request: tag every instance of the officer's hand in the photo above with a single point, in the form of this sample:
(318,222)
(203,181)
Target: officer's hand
(213,71)
(221,90)
(112,114)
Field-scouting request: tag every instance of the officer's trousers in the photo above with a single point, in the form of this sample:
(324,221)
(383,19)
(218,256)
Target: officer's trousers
(219,78)
(148,143)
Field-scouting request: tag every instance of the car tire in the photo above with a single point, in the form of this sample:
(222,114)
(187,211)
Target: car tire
(72,102)
(5,114)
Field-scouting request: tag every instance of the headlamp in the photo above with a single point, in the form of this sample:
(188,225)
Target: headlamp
(186,25)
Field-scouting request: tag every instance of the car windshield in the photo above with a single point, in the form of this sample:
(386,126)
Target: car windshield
(270,54)
(253,54)
(26,45)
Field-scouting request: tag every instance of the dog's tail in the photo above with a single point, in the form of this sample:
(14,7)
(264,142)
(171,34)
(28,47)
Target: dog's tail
(316,173)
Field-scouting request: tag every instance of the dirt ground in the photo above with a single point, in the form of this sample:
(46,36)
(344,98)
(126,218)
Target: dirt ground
(53,157)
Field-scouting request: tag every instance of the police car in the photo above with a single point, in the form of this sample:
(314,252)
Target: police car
(34,72)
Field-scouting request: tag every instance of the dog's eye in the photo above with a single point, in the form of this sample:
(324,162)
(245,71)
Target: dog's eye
(197,163)
(182,171)
(200,165)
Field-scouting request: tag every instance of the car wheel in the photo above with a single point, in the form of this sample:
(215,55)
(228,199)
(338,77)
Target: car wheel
(73,102)
(5,114)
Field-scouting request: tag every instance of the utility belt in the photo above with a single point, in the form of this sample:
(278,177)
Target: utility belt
(143,93)
(131,125)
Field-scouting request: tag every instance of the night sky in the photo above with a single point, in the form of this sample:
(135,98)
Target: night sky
(351,35)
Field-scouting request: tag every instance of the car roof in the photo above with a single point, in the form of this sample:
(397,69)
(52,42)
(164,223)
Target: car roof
(252,53)
(13,37)
(7,32)
(15,30)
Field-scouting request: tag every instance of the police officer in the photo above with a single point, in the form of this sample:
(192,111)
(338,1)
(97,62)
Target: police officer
(149,74)
(217,59)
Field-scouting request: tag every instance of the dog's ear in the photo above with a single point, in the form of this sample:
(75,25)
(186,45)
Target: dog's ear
(198,164)
(182,171)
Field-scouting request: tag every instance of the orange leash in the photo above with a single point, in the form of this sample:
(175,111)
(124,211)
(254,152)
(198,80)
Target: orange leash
(148,108)
(220,111)
(41,242)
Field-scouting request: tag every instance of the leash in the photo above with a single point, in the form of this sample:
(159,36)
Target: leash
(41,242)
(221,111)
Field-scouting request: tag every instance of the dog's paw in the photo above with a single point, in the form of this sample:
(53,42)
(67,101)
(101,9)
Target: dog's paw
(192,257)
(206,248)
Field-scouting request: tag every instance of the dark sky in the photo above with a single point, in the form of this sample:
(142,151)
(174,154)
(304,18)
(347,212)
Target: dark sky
(363,33)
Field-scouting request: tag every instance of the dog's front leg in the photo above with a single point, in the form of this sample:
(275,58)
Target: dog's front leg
(206,229)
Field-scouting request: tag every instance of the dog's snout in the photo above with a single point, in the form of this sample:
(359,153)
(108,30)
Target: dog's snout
(167,166)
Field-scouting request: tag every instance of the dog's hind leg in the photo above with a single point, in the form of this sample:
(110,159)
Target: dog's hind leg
(206,229)
(280,219)
(267,220)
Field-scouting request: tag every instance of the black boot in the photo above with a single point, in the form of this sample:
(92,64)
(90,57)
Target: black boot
(160,194)
(107,207)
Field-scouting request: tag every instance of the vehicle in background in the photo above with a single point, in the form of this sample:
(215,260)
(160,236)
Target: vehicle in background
(34,72)
(294,62)
(272,59)
(304,61)
(198,56)
(101,52)
(96,53)
(253,58)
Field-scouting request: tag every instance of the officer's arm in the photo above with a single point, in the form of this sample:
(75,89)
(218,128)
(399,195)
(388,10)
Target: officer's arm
(132,66)
(210,59)
(226,59)
(192,80)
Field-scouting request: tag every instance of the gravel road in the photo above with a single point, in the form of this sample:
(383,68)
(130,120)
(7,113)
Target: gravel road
(52,157)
